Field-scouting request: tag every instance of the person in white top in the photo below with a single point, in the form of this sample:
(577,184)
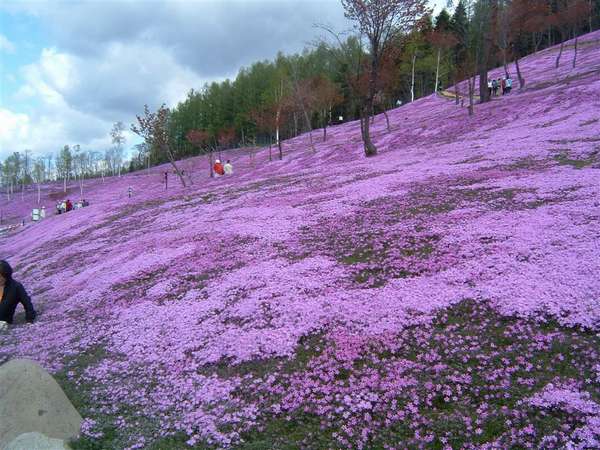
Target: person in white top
(228,168)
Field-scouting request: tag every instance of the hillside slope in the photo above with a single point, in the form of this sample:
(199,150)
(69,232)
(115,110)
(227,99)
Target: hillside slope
(324,297)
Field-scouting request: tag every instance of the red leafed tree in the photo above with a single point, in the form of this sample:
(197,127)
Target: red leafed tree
(388,77)
(524,18)
(265,119)
(303,97)
(567,18)
(153,127)
(201,139)
(381,21)
(226,138)
(326,96)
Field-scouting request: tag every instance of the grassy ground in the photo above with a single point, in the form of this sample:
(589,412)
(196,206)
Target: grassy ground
(507,360)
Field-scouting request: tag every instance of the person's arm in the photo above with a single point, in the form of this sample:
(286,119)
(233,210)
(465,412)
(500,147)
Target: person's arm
(26,302)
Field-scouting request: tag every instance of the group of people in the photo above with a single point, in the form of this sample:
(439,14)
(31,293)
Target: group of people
(497,86)
(66,205)
(222,169)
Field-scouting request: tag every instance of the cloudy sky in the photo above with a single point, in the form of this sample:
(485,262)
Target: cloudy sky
(69,69)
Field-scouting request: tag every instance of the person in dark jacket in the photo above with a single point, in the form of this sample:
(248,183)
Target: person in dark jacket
(11,294)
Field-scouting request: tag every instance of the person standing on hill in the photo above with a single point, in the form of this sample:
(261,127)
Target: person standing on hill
(68,205)
(508,84)
(166,179)
(489,88)
(228,168)
(130,191)
(218,168)
(503,85)
(495,87)
(11,294)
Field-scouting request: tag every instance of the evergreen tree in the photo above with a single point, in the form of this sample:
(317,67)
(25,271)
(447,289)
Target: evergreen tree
(443,21)
(459,25)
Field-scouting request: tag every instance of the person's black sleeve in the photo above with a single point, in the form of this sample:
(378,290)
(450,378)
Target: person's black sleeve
(26,302)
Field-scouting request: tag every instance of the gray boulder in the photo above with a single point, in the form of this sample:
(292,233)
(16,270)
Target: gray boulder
(36,441)
(32,401)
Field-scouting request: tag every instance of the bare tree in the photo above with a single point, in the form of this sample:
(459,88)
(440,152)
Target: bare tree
(525,17)
(302,96)
(118,139)
(267,120)
(226,138)
(567,18)
(326,96)
(442,41)
(201,139)
(153,127)
(380,21)
(64,164)
(39,169)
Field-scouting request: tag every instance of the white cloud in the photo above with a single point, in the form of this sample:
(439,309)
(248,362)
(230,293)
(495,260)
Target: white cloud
(13,126)
(79,98)
(6,45)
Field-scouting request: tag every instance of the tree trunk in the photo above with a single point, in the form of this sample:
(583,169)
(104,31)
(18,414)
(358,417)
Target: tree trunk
(279,145)
(504,62)
(370,149)
(537,40)
(484,92)
(387,120)
(39,194)
(65,184)
(437,70)
(412,84)
(210,162)
(277,117)
(307,120)
(167,150)
(295,124)
(575,53)
(456,95)
(325,126)
(519,75)
(562,44)
(471,82)
(270,147)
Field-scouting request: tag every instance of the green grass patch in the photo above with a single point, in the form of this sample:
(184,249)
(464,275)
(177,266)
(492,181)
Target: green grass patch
(564,160)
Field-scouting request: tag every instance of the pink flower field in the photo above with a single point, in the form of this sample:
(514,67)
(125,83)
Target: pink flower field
(444,294)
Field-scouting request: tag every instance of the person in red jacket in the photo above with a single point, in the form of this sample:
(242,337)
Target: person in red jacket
(69,205)
(218,168)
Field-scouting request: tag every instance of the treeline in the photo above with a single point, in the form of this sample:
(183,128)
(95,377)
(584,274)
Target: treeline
(273,100)
(22,169)
(340,78)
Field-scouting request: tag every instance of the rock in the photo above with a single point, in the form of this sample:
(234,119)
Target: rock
(36,441)
(31,400)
